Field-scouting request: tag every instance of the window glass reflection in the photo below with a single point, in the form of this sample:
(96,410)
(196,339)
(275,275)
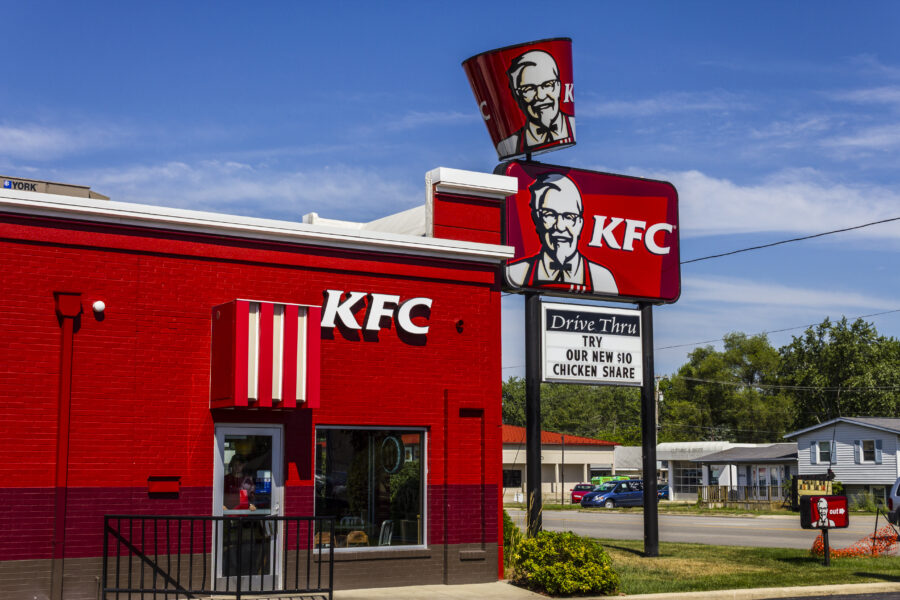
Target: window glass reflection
(372,482)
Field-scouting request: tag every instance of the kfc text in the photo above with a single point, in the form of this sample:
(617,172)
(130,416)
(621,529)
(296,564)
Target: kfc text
(634,230)
(379,306)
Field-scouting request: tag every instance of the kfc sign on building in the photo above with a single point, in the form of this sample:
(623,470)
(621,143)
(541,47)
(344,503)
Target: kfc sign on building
(580,232)
(526,96)
(340,310)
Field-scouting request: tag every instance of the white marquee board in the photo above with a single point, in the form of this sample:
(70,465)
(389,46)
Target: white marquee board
(591,344)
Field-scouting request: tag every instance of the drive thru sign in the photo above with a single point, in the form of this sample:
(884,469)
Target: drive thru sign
(591,344)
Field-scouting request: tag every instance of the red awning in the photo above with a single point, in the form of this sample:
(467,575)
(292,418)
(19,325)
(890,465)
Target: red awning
(265,354)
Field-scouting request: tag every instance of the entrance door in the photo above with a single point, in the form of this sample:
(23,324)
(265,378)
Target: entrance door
(248,483)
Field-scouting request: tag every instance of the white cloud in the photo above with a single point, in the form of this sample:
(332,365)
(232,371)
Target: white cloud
(870,64)
(795,201)
(39,142)
(791,131)
(750,292)
(339,191)
(415,119)
(882,137)
(878,95)
(672,102)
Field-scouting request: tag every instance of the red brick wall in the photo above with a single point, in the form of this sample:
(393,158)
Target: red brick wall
(140,386)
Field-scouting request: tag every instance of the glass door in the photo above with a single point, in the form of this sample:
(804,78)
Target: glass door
(248,485)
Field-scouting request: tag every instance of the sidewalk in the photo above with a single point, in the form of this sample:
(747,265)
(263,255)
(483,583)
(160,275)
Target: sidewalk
(505,591)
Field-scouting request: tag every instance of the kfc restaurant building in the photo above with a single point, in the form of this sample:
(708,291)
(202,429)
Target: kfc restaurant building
(170,362)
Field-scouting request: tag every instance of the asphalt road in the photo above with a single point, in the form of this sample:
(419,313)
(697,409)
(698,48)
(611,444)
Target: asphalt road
(770,531)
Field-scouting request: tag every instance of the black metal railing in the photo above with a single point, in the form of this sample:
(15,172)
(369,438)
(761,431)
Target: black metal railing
(186,557)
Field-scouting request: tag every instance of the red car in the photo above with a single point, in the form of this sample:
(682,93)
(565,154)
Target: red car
(580,490)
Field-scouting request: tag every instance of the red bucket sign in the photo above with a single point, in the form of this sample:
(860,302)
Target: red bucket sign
(526,96)
(583,232)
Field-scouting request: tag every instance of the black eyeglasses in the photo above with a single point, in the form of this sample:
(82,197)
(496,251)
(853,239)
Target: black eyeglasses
(528,92)
(550,217)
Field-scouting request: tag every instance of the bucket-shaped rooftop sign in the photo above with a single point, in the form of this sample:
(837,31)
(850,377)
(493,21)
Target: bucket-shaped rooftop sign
(526,96)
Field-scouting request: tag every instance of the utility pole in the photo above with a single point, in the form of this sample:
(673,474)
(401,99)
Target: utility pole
(562,475)
(648,434)
(533,503)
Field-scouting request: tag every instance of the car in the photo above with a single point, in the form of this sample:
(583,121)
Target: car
(893,503)
(662,492)
(615,493)
(579,491)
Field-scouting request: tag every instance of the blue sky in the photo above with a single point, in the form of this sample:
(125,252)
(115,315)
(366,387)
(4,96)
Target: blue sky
(773,120)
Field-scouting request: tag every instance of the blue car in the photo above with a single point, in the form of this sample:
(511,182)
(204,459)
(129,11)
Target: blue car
(663,492)
(615,493)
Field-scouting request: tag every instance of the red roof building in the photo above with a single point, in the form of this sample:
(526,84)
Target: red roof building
(566,460)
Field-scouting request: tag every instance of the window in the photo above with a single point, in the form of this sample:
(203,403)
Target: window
(867,451)
(822,452)
(687,478)
(372,481)
(513,478)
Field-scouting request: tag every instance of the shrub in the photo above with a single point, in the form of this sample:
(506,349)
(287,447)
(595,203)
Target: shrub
(863,501)
(564,564)
(512,537)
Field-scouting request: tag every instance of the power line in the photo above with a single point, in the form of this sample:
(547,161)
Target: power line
(797,239)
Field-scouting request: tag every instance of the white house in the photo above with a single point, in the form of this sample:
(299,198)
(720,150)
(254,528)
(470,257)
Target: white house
(861,451)
(760,472)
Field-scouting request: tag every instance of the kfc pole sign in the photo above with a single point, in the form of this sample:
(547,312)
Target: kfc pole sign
(526,96)
(824,512)
(580,232)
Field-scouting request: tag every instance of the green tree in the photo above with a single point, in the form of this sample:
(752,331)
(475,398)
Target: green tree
(724,395)
(603,412)
(841,369)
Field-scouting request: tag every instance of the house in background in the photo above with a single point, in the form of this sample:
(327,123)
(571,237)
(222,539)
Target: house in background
(565,461)
(861,451)
(629,460)
(685,476)
(748,474)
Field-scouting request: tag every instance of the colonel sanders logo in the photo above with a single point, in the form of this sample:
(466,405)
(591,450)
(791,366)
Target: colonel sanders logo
(536,87)
(557,213)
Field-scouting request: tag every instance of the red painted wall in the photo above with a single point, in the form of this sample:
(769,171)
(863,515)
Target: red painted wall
(140,383)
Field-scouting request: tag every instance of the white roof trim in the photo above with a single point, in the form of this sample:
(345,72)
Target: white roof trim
(144,215)
(849,420)
(472,183)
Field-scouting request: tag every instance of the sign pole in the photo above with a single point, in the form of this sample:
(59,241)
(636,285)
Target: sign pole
(648,434)
(827,547)
(534,504)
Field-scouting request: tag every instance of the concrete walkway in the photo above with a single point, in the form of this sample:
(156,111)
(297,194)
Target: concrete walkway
(505,591)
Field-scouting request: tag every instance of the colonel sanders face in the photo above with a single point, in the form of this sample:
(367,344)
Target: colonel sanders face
(534,81)
(556,211)
(822,506)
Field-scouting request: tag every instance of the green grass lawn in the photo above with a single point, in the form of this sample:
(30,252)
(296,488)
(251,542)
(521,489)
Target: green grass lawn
(699,567)
(677,508)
